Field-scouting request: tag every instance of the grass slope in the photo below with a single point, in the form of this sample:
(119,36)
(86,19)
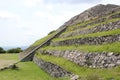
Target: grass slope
(38,42)
(113,47)
(104,33)
(84,72)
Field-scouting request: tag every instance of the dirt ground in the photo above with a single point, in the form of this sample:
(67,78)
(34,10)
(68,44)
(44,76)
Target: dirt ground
(4,63)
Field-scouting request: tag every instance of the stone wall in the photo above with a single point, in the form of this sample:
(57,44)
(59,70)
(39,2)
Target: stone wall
(53,69)
(98,28)
(88,40)
(92,60)
(96,21)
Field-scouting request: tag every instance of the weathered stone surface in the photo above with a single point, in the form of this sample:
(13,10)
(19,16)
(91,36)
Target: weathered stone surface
(25,52)
(53,69)
(96,11)
(118,62)
(88,40)
(92,60)
(99,28)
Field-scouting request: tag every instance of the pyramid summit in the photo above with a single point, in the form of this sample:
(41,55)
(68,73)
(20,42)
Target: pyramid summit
(93,12)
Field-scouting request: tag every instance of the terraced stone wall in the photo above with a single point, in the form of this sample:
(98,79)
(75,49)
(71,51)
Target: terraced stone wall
(88,40)
(98,28)
(53,69)
(89,59)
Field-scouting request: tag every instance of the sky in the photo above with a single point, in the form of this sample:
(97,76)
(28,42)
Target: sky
(22,22)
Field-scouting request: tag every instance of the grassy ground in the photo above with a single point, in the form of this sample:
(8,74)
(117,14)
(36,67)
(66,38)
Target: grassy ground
(84,72)
(113,47)
(5,60)
(25,71)
(9,56)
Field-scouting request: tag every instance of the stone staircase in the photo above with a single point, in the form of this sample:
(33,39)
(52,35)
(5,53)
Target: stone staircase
(29,56)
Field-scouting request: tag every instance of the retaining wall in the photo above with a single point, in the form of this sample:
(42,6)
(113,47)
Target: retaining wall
(92,60)
(53,69)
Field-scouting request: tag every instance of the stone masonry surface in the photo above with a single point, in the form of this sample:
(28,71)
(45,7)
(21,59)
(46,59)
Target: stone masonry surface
(53,69)
(88,40)
(89,59)
(99,28)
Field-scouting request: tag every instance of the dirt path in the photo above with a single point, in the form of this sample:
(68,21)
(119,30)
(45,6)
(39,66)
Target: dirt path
(4,63)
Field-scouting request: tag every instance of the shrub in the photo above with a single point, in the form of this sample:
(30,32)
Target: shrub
(2,50)
(14,50)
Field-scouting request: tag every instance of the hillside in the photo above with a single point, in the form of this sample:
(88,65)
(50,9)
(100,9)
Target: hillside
(87,43)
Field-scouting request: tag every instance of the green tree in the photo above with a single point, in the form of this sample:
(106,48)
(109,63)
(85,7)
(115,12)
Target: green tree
(2,50)
(14,50)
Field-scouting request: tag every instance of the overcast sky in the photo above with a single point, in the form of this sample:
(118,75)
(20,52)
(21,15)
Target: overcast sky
(22,22)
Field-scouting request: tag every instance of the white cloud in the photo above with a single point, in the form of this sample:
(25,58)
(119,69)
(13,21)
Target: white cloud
(53,20)
(29,3)
(43,14)
(8,15)
(59,13)
(71,1)
(40,1)
(9,19)
(111,2)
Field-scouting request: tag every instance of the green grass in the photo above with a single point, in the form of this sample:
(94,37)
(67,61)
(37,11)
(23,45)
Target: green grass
(71,28)
(106,74)
(104,33)
(25,71)
(91,26)
(38,42)
(113,47)
(8,56)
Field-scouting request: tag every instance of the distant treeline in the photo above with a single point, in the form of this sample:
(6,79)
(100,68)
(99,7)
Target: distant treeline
(12,50)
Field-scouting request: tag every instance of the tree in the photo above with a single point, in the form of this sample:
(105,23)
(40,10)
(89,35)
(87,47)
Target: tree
(14,50)
(2,50)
